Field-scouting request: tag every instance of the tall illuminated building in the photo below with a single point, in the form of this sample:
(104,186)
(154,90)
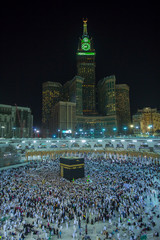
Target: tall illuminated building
(51,94)
(107,96)
(72,92)
(146,121)
(123,107)
(86,69)
(64,117)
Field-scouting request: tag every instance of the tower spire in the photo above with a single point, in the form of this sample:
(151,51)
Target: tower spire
(85,33)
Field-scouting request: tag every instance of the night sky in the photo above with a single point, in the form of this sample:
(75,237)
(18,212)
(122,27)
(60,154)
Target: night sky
(38,43)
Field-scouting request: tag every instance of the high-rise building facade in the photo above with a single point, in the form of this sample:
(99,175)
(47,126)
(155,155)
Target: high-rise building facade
(146,120)
(51,94)
(15,121)
(86,69)
(106,96)
(123,108)
(64,117)
(72,92)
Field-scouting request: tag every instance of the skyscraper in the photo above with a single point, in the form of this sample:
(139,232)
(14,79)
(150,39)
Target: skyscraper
(51,94)
(72,92)
(106,96)
(64,117)
(123,107)
(86,69)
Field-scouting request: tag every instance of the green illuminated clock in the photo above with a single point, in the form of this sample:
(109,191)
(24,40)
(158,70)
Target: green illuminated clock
(85,39)
(85,46)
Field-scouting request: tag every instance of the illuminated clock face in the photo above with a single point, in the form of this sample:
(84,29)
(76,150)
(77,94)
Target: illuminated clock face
(85,46)
(85,39)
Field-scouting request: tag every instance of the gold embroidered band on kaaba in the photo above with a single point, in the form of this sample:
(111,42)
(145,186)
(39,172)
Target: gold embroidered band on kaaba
(66,166)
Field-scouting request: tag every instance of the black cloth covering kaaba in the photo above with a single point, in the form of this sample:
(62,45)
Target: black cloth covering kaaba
(72,167)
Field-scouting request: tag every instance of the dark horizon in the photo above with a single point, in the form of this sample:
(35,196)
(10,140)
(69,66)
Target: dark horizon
(39,43)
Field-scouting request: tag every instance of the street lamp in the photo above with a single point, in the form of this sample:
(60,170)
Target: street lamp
(103,130)
(58,132)
(114,130)
(2,127)
(150,127)
(37,133)
(125,129)
(92,132)
(80,130)
(137,129)
(131,126)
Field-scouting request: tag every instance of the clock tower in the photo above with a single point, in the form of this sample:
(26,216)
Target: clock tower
(86,69)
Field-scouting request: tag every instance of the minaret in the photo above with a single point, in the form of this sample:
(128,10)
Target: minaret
(86,69)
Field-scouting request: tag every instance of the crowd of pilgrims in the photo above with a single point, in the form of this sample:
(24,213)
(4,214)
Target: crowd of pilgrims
(117,199)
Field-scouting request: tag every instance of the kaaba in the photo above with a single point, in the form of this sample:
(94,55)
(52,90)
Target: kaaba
(72,167)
